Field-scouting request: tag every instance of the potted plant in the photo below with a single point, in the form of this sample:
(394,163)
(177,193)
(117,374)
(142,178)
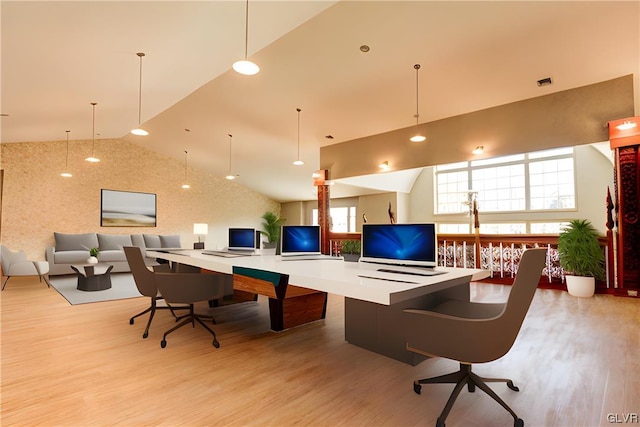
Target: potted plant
(93,258)
(581,257)
(271,228)
(351,250)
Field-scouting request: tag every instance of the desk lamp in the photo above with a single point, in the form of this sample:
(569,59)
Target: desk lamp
(200,230)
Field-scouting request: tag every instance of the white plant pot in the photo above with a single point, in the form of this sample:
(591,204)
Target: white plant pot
(581,286)
(92,260)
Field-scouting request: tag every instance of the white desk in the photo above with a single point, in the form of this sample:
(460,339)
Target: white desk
(373,307)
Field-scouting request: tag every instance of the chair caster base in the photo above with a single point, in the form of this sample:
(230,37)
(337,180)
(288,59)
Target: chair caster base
(439,423)
(163,343)
(145,335)
(216,344)
(512,387)
(131,321)
(518,422)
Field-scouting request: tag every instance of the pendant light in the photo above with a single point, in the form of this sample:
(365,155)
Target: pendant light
(298,162)
(139,131)
(185,185)
(417,137)
(230,176)
(245,66)
(66,172)
(93,158)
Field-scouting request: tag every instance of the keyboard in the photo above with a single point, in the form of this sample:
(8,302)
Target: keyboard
(227,254)
(426,272)
(309,257)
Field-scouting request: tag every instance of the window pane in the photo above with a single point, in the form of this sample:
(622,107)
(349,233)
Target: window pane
(551,153)
(503,228)
(497,160)
(454,228)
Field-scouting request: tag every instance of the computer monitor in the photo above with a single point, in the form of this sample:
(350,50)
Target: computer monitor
(242,239)
(299,240)
(400,244)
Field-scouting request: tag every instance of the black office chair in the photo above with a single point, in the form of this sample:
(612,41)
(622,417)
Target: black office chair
(472,332)
(145,280)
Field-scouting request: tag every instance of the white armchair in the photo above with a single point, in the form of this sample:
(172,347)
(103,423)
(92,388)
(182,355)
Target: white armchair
(17,264)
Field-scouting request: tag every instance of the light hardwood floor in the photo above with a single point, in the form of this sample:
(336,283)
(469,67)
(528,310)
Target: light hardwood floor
(575,361)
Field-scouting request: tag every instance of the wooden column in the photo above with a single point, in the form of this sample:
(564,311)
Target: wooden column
(320,179)
(624,138)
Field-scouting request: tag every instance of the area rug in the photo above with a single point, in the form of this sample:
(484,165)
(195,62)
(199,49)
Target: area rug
(122,286)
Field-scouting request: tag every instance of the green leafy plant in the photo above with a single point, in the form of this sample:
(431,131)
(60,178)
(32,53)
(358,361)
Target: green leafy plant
(271,226)
(94,252)
(351,247)
(579,250)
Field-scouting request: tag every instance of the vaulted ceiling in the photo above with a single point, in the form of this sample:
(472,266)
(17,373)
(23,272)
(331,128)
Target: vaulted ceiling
(58,57)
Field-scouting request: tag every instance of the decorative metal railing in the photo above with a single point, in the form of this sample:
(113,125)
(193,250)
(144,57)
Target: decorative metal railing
(498,253)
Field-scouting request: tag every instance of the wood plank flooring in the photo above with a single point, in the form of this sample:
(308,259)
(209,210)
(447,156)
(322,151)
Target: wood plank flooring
(575,361)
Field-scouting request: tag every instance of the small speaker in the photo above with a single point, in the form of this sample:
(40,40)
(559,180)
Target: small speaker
(258,239)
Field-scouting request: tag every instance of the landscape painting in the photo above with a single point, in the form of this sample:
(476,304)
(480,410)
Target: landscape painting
(127,209)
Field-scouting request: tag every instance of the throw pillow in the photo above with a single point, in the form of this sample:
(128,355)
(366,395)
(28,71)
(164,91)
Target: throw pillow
(172,241)
(115,242)
(75,242)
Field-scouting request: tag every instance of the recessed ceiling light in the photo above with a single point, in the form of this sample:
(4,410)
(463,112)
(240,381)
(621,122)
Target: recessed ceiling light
(478,150)
(329,136)
(364,48)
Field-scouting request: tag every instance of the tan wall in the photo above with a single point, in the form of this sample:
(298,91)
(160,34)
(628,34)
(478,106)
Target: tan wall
(572,117)
(37,201)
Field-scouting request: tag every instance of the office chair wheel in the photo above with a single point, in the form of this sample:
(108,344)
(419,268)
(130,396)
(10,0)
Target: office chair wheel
(131,321)
(163,343)
(439,423)
(216,344)
(518,423)
(145,335)
(512,387)
(417,387)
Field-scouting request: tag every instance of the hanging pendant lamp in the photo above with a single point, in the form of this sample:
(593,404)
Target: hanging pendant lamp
(230,176)
(418,137)
(298,162)
(185,185)
(245,66)
(139,131)
(93,158)
(66,172)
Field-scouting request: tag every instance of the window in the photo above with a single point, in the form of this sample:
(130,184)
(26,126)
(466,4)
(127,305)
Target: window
(542,180)
(343,220)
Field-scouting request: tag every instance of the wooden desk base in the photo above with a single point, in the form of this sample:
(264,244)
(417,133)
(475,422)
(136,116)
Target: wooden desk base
(299,305)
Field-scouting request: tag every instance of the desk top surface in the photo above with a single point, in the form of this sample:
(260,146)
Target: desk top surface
(349,279)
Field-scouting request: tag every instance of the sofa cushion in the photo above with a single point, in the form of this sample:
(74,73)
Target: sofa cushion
(172,241)
(138,240)
(113,242)
(75,242)
(112,255)
(71,257)
(151,241)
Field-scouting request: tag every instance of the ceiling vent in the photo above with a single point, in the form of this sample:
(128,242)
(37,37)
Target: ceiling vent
(545,82)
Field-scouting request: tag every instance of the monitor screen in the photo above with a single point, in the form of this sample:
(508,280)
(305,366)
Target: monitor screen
(300,239)
(242,238)
(400,244)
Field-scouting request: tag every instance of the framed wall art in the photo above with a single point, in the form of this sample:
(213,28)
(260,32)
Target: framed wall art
(127,209)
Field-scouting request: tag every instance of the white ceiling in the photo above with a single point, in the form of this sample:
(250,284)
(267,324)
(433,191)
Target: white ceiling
(58,57)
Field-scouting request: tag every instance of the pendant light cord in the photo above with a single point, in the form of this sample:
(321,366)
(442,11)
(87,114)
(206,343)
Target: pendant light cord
(417,67)
(185,166)
(66,163)
(93,129)
(140,54)
(246,30)
(298,110)
(230,139)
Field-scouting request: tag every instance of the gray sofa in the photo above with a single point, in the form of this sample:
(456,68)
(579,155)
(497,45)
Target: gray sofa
(74,249)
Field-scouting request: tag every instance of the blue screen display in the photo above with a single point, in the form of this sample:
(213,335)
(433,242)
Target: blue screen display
(300,238)
(243,238)
(409,242)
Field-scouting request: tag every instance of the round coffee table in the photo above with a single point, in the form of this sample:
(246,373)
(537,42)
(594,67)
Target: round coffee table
(93,277)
